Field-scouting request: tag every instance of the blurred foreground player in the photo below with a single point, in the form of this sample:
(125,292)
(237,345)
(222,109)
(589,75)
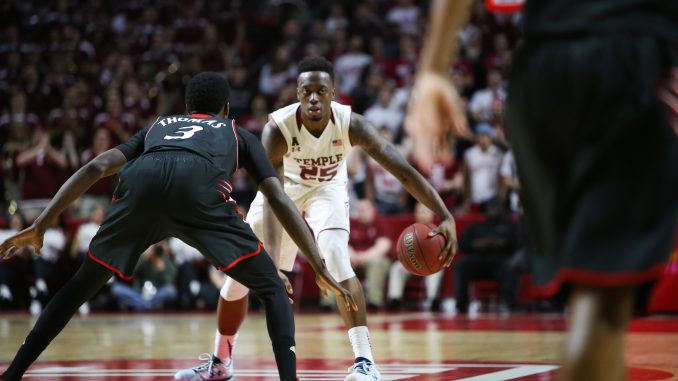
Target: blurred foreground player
(177,185)
(592,117)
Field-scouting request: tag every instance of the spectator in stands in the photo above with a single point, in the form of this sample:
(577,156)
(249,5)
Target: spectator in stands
(256,120)
(405,14)
(487,249)
(382,186)
(72,115)
(14,272)
(482,100)
(366,23)
(510,186)
(70,153)
(365,96)
(274,75)
(41,168)
(242,91)
(100,193)
(336,19)
(481,170)
(383,113)
(368,249)
(448,180)
(398,274)
(356,163)
(348,67)
(153,283)
(287,95)
(195,286)
(500,56)
(85,233)
(135,102)
(17,121)
(15,130)
(119,123)
(48,277)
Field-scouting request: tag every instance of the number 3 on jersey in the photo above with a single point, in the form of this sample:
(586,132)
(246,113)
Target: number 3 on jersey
(186,132)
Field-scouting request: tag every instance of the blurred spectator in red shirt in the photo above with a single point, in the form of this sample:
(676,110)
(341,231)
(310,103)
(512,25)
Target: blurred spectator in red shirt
(448,181)
(41,168)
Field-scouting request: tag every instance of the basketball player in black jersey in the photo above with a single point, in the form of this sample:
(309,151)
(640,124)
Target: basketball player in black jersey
(592,115)
(176,183)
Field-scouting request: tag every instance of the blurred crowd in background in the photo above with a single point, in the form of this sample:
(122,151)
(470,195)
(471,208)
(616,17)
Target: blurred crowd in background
(79,77)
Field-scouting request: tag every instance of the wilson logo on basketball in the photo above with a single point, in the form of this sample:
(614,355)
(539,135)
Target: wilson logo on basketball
(409,246)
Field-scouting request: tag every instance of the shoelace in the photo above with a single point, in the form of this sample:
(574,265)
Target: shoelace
(208,365)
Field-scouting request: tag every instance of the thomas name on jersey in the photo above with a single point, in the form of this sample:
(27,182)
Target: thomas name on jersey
(210,122)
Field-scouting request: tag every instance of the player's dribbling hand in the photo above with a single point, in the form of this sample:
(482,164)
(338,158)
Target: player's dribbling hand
(434,115)
(288,286)
(448,229)
(327,284)
(29,237)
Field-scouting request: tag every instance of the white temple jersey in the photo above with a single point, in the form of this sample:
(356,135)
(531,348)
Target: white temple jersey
(312,161)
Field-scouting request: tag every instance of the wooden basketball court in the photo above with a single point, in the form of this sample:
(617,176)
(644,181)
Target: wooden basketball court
(413,346)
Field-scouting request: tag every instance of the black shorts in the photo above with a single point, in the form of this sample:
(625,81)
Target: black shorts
(597,158)
(172,194)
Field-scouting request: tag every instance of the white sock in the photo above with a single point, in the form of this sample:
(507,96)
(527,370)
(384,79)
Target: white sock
(223,346)
(360,341)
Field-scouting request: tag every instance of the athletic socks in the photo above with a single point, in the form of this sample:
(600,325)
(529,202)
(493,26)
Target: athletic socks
(360,341)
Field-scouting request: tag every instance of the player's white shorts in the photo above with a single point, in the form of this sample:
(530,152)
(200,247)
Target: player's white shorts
(323,207)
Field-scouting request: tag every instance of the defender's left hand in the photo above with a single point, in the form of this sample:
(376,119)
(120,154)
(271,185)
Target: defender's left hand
(29,237)
(448,229)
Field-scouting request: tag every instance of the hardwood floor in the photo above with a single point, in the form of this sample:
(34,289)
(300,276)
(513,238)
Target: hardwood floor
(416,346)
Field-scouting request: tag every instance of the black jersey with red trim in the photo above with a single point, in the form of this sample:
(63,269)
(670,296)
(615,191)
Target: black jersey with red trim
(218,140)
(563,18)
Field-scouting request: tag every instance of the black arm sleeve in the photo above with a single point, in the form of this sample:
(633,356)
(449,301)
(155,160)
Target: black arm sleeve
(252,156)
(134,147)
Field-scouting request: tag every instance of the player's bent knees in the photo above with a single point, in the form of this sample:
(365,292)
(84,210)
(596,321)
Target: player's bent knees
(232,290)
(333,246)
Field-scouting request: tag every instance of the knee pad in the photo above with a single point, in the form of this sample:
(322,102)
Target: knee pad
(333,245)
(233,290)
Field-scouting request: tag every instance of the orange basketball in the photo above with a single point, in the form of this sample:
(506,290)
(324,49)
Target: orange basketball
(418,252)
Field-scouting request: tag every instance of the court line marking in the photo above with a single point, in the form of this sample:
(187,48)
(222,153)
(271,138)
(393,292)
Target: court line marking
(390,372)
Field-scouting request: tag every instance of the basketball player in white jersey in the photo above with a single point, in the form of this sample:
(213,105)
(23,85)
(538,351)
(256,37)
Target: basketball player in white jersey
(308,142)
